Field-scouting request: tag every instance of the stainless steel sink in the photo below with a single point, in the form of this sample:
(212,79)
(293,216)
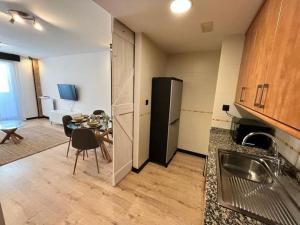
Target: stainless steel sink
(246,167)
(247,184)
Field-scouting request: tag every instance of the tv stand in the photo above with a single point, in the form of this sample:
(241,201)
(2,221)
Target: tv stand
(57,115)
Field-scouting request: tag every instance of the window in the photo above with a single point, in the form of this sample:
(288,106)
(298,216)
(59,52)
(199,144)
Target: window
(10,108)
(4,79)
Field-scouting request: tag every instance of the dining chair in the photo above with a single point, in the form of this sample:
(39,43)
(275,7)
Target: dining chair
(98,112)
(84,139)
(68,131)
(111,129)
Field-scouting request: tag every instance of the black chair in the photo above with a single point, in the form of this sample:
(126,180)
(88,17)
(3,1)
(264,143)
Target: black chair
(84,139)
(98,112)
(68,131)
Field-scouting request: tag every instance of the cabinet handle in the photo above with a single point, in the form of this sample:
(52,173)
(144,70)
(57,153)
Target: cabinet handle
(265,87)
(259,87)
(242,92)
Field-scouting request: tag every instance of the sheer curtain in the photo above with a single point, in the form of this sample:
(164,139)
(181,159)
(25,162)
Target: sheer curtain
(10,106)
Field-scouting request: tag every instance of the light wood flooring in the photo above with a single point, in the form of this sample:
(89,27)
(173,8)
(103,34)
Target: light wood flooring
(41,189)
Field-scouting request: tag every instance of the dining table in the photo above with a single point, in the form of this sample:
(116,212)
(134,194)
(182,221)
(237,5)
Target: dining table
(105,130)
(83,124)
(101,132)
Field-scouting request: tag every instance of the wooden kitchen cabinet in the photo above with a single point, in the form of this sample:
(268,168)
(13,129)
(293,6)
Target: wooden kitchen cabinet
(283,97)
(256,56)
(265,26)
(269,82)
(242,93)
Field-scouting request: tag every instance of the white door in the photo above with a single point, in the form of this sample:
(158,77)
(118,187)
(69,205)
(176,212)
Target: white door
(122,100)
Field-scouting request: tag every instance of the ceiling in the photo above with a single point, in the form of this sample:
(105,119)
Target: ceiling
(182,33)
(70,27)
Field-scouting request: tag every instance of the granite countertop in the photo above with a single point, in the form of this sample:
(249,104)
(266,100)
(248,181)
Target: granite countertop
(214,213)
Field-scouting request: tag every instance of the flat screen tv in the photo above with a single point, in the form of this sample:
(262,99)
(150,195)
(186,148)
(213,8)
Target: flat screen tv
(67,92)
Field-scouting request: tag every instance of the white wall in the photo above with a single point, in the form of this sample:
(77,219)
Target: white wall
(289,147)
(229,68)
(150,61)
(27,89)
(91,73)
(199,72)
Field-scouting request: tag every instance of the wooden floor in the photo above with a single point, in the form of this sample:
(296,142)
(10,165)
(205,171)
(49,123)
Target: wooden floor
(41,189)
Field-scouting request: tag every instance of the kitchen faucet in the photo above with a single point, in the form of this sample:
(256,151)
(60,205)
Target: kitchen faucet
(275,156)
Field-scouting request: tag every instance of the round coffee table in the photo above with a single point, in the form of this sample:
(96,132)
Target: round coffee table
(9,127)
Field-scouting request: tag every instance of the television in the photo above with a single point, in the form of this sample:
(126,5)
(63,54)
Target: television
(67,92)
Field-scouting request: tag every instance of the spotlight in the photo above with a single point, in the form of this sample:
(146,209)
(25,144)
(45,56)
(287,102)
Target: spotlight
(18,18)
(12,20)
(37,25)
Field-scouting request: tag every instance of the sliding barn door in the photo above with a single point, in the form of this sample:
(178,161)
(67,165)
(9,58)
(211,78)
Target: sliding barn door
(122,100)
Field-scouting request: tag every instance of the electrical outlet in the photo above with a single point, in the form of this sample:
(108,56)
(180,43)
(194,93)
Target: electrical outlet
(225,108)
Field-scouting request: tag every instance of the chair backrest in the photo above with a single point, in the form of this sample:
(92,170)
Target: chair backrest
(66,120)
(84,139)
(98,112)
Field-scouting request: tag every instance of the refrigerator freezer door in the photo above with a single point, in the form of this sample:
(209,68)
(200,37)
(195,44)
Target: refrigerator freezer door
(175,100)
(172,139)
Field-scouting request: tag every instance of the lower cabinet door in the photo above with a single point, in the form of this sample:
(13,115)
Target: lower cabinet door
(172,139)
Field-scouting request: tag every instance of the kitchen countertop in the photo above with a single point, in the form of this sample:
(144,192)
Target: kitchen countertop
(214,213)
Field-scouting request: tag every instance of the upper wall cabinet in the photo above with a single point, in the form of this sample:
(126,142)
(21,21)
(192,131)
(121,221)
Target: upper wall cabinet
(242,93)
(283,97)
(270,70)
(265,26)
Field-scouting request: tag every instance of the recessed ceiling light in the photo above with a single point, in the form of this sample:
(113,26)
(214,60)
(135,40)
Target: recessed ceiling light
(180,6)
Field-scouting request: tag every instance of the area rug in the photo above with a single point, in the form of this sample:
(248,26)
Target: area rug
(36,139)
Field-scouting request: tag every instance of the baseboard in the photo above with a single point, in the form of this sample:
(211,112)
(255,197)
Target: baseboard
(37,117)
(135,170)
(121,173)
(191,153)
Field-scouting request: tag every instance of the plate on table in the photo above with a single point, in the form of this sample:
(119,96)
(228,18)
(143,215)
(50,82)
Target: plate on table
(79,120)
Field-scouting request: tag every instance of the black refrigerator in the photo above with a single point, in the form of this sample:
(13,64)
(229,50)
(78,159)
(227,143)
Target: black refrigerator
(165,118)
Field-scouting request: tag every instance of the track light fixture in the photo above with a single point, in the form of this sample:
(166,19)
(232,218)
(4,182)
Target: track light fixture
(21,17)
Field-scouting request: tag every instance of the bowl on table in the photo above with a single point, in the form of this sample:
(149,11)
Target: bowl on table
(93,123)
